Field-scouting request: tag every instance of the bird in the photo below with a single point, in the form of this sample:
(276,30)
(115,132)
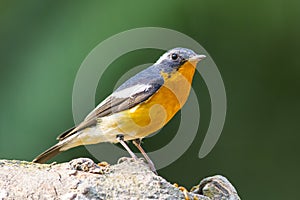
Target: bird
(139,107)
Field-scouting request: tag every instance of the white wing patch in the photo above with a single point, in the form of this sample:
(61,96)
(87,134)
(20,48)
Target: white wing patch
(130,91)
(125,93)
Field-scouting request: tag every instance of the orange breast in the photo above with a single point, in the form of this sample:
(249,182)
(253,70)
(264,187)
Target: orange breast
(153,114)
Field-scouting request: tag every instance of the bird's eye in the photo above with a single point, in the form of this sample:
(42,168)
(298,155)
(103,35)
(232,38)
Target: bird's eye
(174,56)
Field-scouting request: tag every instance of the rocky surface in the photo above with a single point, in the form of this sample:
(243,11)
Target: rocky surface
(83,179)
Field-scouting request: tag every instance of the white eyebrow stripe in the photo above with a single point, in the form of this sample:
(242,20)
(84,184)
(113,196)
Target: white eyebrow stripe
(163,57)
(130,91)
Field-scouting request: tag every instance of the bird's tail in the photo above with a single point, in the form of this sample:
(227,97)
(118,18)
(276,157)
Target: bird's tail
(49,153)
(64,140)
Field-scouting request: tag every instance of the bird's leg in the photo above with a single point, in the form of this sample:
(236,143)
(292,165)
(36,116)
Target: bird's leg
(137,143)
(120,138)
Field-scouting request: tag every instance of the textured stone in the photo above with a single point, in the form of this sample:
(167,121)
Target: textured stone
(83,179)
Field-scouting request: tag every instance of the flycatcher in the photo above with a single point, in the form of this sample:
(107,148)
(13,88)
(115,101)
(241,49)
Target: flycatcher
(139,107)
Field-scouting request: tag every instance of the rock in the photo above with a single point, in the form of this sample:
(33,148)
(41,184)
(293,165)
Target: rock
(83,179)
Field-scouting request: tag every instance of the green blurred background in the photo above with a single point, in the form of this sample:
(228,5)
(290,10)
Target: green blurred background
(255,44)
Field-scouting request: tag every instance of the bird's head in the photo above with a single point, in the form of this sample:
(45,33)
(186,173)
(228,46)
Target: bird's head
(177,57)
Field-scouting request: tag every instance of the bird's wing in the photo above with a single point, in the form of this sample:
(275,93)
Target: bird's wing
(133,92)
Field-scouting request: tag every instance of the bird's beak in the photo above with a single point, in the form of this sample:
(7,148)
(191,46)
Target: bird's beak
(196,58)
